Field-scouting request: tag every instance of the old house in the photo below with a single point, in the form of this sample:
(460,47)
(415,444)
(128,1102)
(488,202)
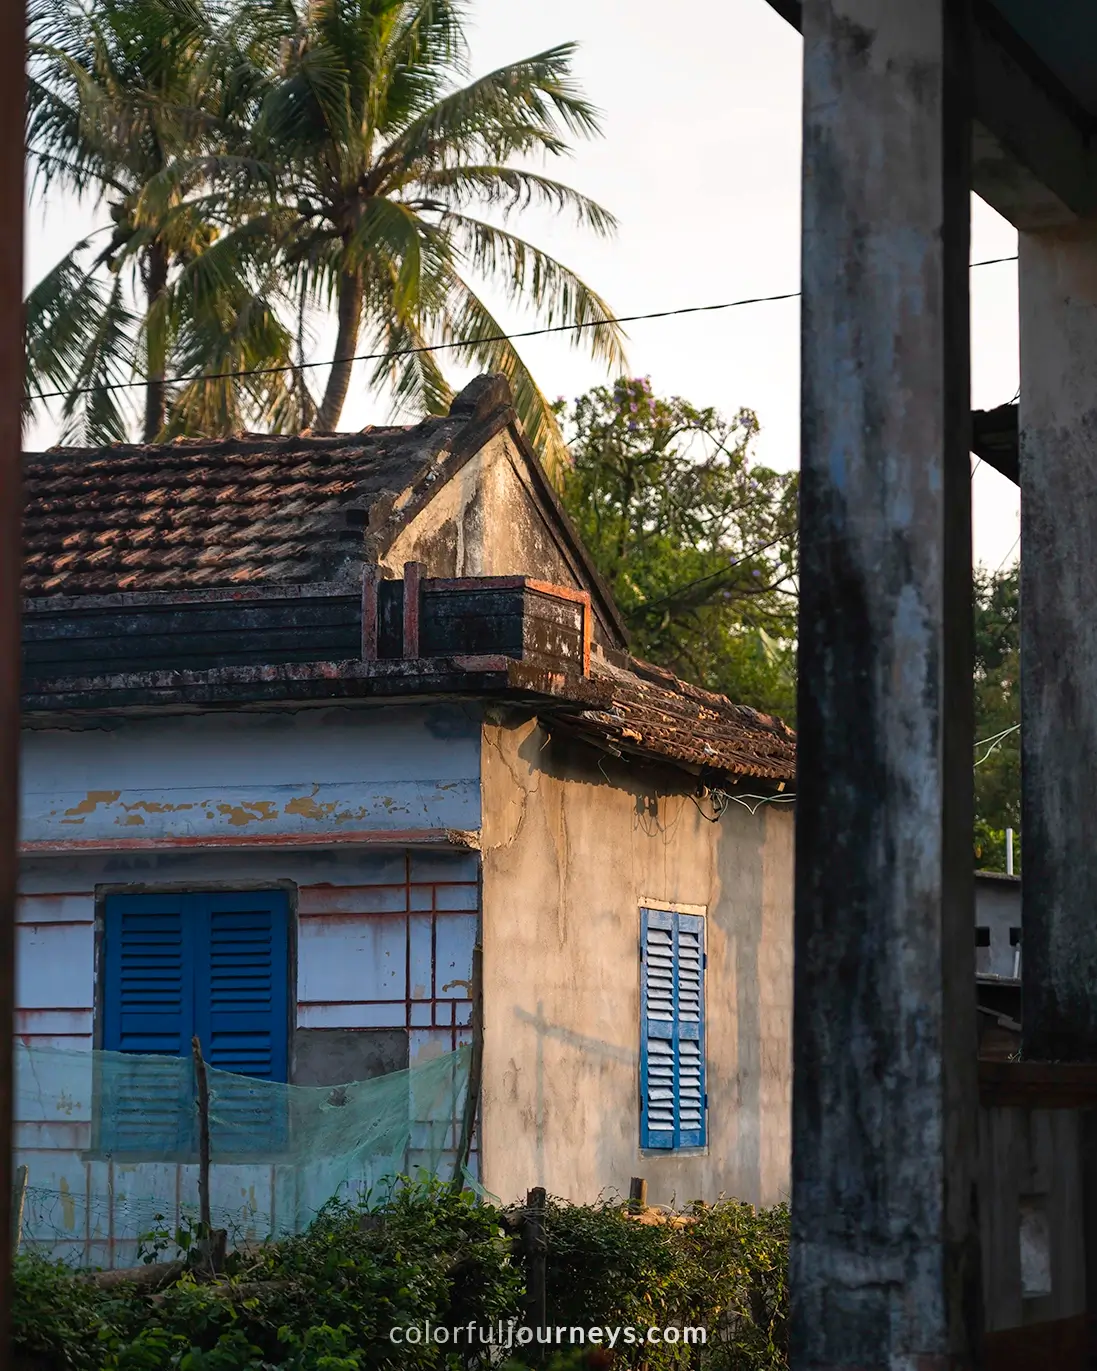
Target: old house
(306,719)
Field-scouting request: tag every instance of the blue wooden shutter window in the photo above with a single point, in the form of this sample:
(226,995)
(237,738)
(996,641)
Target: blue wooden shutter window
(215,964)
(672,1038)
(241,1011)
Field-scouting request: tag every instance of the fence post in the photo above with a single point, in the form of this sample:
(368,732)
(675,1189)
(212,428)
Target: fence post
(637,1194)
(18,1201)
(212,1245)
(536,1246)
(202,1092)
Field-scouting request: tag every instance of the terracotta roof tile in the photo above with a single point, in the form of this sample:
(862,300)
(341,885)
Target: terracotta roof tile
(651,712)
(244,510)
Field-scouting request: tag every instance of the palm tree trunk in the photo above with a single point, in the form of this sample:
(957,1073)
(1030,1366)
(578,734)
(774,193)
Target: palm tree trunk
(350,314)
(156,284)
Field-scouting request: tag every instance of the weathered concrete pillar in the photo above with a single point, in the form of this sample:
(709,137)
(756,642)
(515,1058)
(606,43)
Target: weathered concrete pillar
(885,1248)
(1058,423)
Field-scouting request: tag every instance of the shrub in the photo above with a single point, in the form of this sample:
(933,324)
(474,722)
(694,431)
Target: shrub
(327,1300)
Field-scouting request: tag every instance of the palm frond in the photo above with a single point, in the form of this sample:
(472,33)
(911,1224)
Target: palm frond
(512,188)
(414,375)
(59,320)
(487,346)
(526,107)
(531,276)
(91,411)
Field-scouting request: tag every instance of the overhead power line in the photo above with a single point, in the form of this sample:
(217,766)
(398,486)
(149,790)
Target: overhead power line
(283,368)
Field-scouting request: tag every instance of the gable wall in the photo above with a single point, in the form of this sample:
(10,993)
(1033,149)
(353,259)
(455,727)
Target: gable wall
(573,844)
(488,521)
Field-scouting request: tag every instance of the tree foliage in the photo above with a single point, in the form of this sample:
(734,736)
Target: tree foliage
(997,715)
(696,541)
(266,161)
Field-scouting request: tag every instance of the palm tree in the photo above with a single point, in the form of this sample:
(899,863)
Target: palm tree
(386,170)
(136,103)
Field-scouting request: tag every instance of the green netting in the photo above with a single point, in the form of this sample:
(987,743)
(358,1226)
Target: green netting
(110,1141)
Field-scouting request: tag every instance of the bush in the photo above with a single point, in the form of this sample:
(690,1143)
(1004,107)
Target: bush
(327,1300)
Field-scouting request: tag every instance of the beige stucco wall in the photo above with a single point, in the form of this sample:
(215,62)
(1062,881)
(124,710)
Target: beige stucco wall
(573,844)
(487,520)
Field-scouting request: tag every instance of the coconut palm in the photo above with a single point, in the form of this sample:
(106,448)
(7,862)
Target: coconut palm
(399,185)
(133,103)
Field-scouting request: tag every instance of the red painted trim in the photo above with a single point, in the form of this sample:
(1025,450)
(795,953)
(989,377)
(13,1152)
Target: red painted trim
(458,583)
(52,894)
(369,613)
(426,999)
(382,885)
(58,1009)
(397,837)
(581,597)
(54,923)
(413,593)
(339,916)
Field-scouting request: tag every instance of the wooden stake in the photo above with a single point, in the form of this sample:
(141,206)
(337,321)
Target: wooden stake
(536,1246)
(18,1201)
(202,1091)
(637,1194)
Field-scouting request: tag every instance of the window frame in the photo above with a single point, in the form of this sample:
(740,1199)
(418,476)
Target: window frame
(676,1149)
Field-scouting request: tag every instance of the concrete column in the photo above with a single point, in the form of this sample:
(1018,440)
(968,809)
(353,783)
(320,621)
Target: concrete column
(885,1247)
(1058,427)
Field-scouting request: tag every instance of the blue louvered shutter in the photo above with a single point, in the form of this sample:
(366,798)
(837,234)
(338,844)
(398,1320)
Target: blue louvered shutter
(242,1016)
(242,1002)
(148,954)
(672,1040)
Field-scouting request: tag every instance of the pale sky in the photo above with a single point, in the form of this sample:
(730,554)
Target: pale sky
(700,163)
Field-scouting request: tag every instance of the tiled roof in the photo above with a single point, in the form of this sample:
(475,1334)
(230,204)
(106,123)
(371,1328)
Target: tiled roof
(652,712)
(246,510)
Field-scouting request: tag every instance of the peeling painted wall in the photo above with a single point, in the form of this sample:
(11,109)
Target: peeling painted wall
(196,776)
(487,521)
(572,846)
(383,952)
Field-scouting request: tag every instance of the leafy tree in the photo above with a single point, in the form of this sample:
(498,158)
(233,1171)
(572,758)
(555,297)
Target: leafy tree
(382,163)
(697,543)
(140,104)
(997,715)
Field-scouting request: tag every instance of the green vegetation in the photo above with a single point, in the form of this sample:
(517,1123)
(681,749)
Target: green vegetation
(997,717)
(326,1301)
(697,542)
(266,162)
